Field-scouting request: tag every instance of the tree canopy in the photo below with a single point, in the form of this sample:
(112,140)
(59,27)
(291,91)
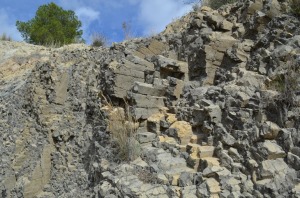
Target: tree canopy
(51,24)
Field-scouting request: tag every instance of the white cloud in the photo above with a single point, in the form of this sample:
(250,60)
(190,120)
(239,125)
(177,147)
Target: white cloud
(87,16)
(8,26)
(87,11)
(152,15)
(156,14)
(149,16)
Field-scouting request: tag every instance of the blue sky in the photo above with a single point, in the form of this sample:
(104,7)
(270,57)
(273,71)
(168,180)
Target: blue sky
(99,16)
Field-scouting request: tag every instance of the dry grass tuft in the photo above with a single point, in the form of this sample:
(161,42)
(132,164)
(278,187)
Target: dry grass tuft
(122,128)
(4,37)
(98,40)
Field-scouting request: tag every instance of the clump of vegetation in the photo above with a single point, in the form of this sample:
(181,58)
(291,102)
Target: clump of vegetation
(146,175)
(287,86)
(51,24)
(98,40)
(127,30)
(4,37)
(122,128)
(295,6)
(214,4)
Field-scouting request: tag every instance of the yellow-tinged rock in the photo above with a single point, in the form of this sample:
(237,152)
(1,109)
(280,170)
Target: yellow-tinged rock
(156,117)
(210,161)
(161,138)
(183,131)
(171,118)
(182,148)
(195,139)
(193,150)
(196,150)
(170,140)
(270,131)
(153,122)
(205,9)
(213,186)
(206,151)
(175,179)
(194,162)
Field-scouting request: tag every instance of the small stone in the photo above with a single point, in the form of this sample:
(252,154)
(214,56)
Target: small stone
(146,137)
(95,165)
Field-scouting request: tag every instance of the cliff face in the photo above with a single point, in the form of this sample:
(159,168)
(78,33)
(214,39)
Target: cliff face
(216,97)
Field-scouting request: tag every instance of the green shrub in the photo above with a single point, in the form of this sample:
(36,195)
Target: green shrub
(287,84)
(295,7)
(215,4)
(51,24)
(4,37)
(98,40)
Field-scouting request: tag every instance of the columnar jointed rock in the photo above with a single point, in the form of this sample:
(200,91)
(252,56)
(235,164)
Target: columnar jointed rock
(216,97)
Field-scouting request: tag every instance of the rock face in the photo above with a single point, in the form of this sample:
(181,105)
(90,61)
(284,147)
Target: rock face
(215,98)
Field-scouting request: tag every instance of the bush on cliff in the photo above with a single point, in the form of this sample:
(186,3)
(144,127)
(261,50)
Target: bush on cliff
(214,4)
(295,6)
(51,24)
(4,37)
(98,40)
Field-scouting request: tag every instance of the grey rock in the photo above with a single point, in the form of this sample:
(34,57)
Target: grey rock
(146,137)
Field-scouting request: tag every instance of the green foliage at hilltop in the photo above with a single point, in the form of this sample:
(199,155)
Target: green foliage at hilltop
(51,24)
(295,6)
(5,37)
(214,4)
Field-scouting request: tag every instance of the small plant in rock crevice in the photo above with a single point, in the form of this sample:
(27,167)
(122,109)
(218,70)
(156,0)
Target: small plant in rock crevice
(295,7)
(4,37)
(122,128)
(214,4)
(127,30)
(98,40)
(287,85)
(146,175)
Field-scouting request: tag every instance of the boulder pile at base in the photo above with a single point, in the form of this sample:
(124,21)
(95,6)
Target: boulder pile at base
(215,99)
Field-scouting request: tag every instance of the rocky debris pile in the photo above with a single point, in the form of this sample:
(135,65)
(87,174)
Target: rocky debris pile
(216,97)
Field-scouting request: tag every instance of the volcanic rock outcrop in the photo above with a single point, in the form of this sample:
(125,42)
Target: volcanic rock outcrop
(216,98)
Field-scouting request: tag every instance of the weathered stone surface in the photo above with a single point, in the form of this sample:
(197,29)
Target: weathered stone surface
(270,167)
(213,186)
(40,175)
(153,122)
(144,113)
(270,130)
(294,161)
(144,101)
(146,137)
(182,131)
(189,191)
(148,89)
(271,150)
(200,151)
(212,86)
(170,67)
